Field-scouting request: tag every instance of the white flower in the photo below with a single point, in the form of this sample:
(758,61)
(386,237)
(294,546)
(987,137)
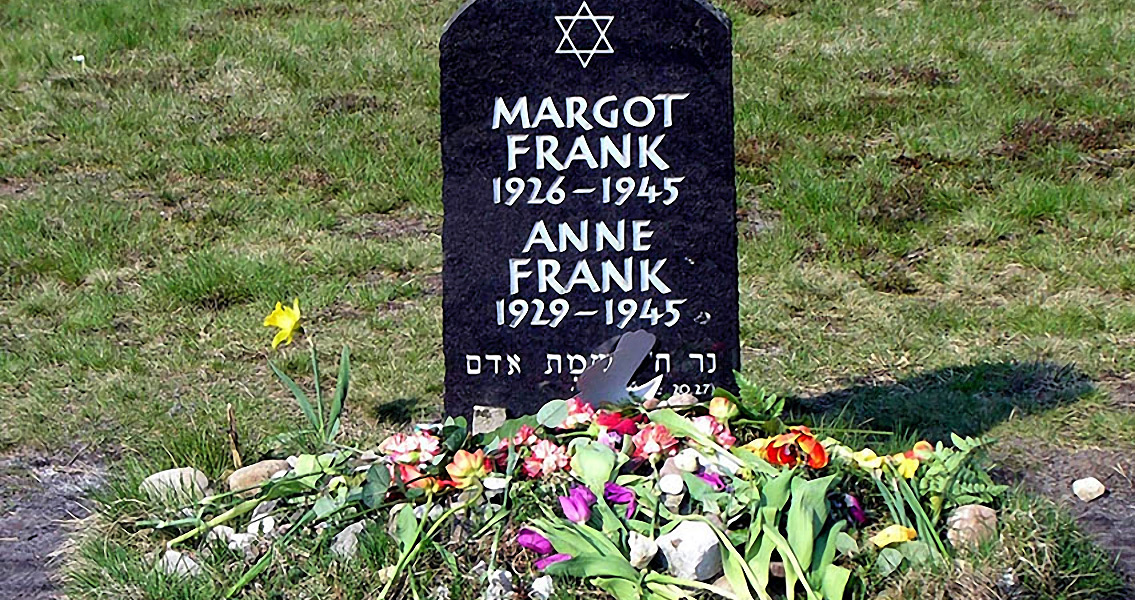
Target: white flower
(79,58)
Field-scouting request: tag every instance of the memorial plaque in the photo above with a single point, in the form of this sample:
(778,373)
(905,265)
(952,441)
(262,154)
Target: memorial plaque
(589,192)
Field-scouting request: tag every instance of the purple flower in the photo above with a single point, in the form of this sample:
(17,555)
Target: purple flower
(621,495)
(551,560)
(577,504)
(855,509)
(713,479)
(532,540)
(611,439)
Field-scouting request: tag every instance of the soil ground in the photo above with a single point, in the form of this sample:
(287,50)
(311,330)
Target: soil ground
(40,497)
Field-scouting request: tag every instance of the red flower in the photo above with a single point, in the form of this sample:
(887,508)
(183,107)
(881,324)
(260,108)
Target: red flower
(654,441)
(613,421)
(796,447)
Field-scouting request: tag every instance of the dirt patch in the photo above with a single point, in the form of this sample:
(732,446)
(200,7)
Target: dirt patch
(256,11)
(14,187)
(928,76)
(760,8)
(754,221)
(39,494)
(387,227)
(1049,470)
(1034,135)
(350,103)
(759,153)
(1058,10)
(897,206)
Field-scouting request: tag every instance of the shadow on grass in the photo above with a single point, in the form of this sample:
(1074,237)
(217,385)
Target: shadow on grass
(968,400)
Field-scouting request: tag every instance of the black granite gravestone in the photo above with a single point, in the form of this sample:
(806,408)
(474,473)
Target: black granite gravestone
(589,192)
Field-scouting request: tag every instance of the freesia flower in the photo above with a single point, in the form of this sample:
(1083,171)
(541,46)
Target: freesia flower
(792,448)
(534,541)
(710,426)
(723,409)
(621,495)
(287,319)
(550,560)
(468,468)
(577,504)
(654,441)
(611,439)
(547,458)
(579,412)
(418,448)
(893,535)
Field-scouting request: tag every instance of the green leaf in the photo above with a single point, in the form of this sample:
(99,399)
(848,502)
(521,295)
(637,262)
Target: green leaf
(341,387)
(377,484)
(326,506)
(553,414)
(318,395)
(406,528)
(680,426)
(508,430)
(887,561)
(846,545)
(834,582)
(621,589)
(595,566)
(301,398)
(252,573)
(593,464)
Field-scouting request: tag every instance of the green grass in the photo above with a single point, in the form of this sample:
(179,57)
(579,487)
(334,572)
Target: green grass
(935,209)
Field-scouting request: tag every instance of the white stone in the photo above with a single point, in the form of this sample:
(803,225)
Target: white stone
(672,484)
(643,549)
(499,586)
(687,460)
(542,588)
(1088,489)
(184,484)
(247,480)
(692,551)
(487,419)
(679,400)
(346,542)
(178,564)
(244,544)
(220,533)
(970,525)
(495,483)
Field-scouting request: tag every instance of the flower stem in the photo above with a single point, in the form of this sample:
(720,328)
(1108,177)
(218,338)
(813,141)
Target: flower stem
(221,519)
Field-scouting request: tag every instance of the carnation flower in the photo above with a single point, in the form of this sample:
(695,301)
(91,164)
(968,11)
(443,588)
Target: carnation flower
(547,458)
(579,412)
(653,442)
(415,449)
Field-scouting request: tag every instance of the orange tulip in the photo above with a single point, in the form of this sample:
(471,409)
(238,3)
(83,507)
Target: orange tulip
(468,468)
(796,447)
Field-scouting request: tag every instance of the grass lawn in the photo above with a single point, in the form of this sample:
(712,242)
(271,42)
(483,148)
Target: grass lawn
(935,205)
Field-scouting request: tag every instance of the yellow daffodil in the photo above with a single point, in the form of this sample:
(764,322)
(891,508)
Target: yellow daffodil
(287,319)
(906,464)
(867,459)
(893,535)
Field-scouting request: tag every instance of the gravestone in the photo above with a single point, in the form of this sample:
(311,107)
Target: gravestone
(589,192)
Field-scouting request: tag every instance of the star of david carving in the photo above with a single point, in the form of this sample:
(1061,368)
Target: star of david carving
(581,23)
